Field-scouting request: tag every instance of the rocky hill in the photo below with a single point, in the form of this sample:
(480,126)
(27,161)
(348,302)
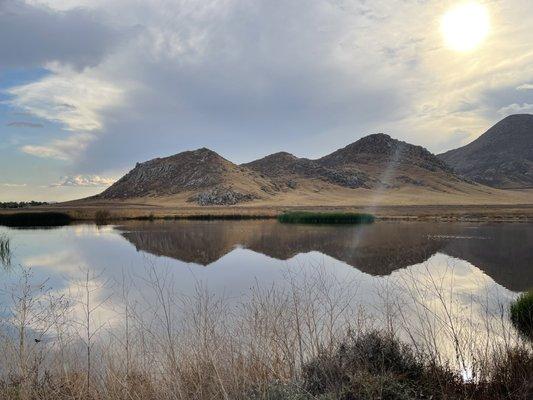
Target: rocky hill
(204,177)
(209,179)
(373,161)
(288,171)
(502,157)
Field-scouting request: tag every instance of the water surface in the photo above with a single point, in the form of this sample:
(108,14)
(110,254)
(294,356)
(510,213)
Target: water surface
(471,271)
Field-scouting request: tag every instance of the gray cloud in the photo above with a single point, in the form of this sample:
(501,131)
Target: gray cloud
(24,124)
(31,36)
(249,78)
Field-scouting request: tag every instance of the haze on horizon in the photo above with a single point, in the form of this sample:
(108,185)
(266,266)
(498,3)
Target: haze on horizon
(89,87)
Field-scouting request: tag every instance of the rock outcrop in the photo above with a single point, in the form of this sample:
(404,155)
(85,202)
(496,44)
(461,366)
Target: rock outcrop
(209,179)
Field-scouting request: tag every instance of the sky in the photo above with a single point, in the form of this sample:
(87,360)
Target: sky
(90,87)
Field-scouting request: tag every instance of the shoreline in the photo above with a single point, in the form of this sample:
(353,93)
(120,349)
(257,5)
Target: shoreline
(105,213)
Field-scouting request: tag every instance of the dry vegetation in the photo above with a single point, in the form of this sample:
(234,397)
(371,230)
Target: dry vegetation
(306,341)
(5,251)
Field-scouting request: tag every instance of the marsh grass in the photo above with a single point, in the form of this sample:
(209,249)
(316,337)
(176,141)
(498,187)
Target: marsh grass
(35,219)
(102,217)
(522,314)
(307,340)
(303,217)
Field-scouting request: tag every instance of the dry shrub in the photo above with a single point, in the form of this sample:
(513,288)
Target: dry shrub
(374,365)
(511,376)
(102,217)
(301,342)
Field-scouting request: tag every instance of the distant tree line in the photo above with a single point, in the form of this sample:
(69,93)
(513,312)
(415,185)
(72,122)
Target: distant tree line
(22,204)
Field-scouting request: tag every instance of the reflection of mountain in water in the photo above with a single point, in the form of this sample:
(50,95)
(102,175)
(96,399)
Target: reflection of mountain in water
(500,250)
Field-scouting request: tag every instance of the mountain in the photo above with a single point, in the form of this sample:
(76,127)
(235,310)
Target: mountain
(287,170)
(391,163)
(204,175)
(373,162)
(502,157)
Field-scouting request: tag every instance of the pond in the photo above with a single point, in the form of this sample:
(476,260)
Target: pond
(450,281)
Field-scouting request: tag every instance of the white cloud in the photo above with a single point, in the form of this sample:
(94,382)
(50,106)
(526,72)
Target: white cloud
(13,185)
(525,86)
(516,109)
(85,181)
(74,99)
(61,149)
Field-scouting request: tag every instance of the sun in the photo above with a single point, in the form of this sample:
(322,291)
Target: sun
(465,26)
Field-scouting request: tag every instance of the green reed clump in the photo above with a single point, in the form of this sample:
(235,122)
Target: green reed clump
(522,314)
(29,219)
(305,217)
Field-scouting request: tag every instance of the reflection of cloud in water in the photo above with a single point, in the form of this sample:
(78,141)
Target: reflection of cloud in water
(455,304)
(64,261)
(416,271)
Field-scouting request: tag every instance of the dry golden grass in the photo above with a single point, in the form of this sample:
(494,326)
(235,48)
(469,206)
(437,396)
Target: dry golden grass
(475,203)
(211,347)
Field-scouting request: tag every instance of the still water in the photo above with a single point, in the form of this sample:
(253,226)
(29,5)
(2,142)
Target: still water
(438,272)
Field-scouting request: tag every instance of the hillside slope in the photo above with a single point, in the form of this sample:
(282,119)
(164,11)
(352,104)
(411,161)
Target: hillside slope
(203,174)
(374,169)
(371,162)
(502,157)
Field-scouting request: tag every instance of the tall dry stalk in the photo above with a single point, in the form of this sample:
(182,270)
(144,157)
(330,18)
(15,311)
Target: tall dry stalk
(5,251)
(161,344)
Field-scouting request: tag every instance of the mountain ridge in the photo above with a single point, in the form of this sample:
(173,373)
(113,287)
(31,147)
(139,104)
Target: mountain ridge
(502,157)
(206,178)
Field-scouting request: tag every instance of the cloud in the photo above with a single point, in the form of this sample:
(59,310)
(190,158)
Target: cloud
(34,35)
(13,185)
(525,86)
(248,78)
(61,149)
(85,181)
(516,109)
(24,124)
(71,98)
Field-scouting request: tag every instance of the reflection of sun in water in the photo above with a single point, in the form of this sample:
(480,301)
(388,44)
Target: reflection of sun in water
(465,26)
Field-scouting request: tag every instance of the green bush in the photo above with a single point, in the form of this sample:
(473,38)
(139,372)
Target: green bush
(522,314)
(303,217)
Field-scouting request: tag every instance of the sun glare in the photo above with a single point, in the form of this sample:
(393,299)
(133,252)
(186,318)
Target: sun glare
(465,26)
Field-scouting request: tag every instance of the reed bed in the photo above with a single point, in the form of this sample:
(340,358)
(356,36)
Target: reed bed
(35,219)
(308,340)
(304,217)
